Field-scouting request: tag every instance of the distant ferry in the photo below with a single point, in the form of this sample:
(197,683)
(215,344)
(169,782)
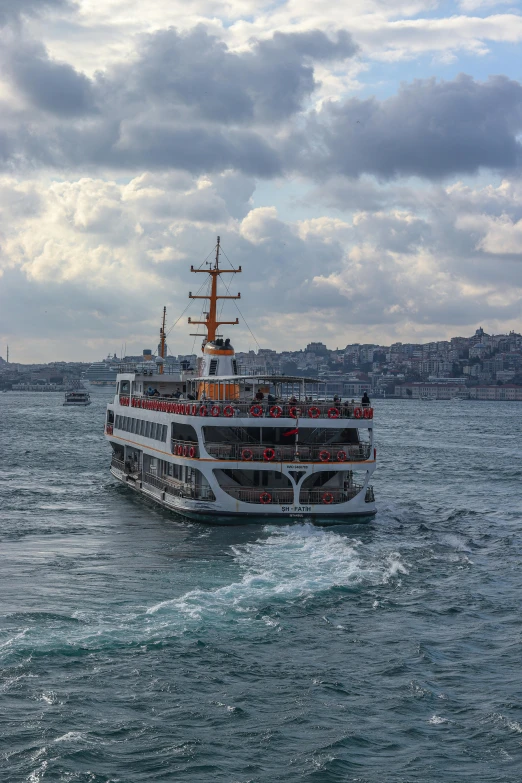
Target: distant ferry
(222,447)
(78,397)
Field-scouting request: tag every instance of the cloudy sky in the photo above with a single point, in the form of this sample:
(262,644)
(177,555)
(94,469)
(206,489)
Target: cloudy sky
(362,161)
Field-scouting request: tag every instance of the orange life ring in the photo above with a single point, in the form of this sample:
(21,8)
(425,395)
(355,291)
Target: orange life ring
(203,410)
(333,413)
(366,413)
(276,411)
(228,411)
(314,412)
(215,410)
(269,454)
(341,456)
(247,455)
(265,497)
(324,456)
(328,498)
(295,412)
(357,412)
(256,411)
(192,452)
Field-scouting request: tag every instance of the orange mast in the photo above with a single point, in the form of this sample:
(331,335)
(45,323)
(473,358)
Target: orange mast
(211,323)
(162,339)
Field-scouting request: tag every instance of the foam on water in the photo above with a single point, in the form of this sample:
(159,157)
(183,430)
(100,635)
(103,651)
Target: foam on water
(291,563)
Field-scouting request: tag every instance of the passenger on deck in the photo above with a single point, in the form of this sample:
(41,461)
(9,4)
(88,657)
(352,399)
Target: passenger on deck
(270,398)
(365,400)
(347,409)
(177,395)
(259,396)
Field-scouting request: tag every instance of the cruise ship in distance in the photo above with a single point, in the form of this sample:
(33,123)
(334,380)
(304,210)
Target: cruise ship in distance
(217,446)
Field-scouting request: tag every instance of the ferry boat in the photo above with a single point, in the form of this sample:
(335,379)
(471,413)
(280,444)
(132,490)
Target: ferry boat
(218,446)
(77,397)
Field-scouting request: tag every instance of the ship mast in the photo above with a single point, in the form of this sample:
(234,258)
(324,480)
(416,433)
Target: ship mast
(162,339)
(211,322)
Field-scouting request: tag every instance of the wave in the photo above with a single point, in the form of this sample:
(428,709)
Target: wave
(287,565)
(293,562)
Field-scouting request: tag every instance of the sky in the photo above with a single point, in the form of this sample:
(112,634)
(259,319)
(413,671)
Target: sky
(361,160)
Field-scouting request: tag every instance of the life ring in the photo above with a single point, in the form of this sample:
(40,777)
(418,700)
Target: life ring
(366,413)
(194,409)
(192,452)
(328,498)
(269,454)
(228,411)
(215,410)
(333,413)
(276,411)
(247,455)
(358,413)
(203,410)
(265,498)
(256,411)
(185,450)
(179,450)
(295,412)
(314,412)
(341,456)
(370,410)
(324,456)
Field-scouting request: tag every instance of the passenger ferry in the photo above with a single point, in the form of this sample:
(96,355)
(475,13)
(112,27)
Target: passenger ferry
(218,446)
(78,397)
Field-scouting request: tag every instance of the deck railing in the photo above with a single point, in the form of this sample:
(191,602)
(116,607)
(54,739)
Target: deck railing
(309,409)
(178,488)
(119,464)
(261,495)
(327,495)
(245,452)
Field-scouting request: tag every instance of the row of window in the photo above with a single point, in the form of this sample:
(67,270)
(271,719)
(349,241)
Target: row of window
(146,429)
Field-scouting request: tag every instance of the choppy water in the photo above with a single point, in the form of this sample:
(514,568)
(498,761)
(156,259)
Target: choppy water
(136,647)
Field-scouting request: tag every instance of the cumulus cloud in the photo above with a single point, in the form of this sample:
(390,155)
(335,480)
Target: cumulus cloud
(429,128)
(116,250)
(13,9)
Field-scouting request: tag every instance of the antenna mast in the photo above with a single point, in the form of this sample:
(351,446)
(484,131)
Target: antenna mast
(211,323)
(162,339)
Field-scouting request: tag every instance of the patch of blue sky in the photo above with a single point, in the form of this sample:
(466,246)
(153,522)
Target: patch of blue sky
(382,79)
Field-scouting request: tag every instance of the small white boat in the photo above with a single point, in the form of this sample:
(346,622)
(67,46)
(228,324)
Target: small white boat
(78,397)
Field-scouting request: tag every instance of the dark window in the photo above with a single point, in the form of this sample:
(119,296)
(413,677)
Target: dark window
(234,366)
(184,432)
(213,367)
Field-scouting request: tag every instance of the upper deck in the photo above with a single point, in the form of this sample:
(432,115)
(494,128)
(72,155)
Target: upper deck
(236,396)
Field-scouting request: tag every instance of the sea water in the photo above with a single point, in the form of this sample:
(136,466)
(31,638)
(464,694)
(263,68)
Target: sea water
(136,646)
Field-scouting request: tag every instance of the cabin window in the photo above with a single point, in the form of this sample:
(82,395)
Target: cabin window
(213,367)
(148,425)
(234,367)
(124,387)
(184,432)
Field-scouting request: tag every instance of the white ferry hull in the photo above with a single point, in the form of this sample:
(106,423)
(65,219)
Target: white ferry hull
(76,404)
(234,512)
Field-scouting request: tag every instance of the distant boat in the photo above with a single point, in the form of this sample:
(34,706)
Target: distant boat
(79,397)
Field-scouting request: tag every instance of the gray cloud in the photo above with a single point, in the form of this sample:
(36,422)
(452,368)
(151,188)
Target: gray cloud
(428,129)
(48,85)
(13,9)
(186,101)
